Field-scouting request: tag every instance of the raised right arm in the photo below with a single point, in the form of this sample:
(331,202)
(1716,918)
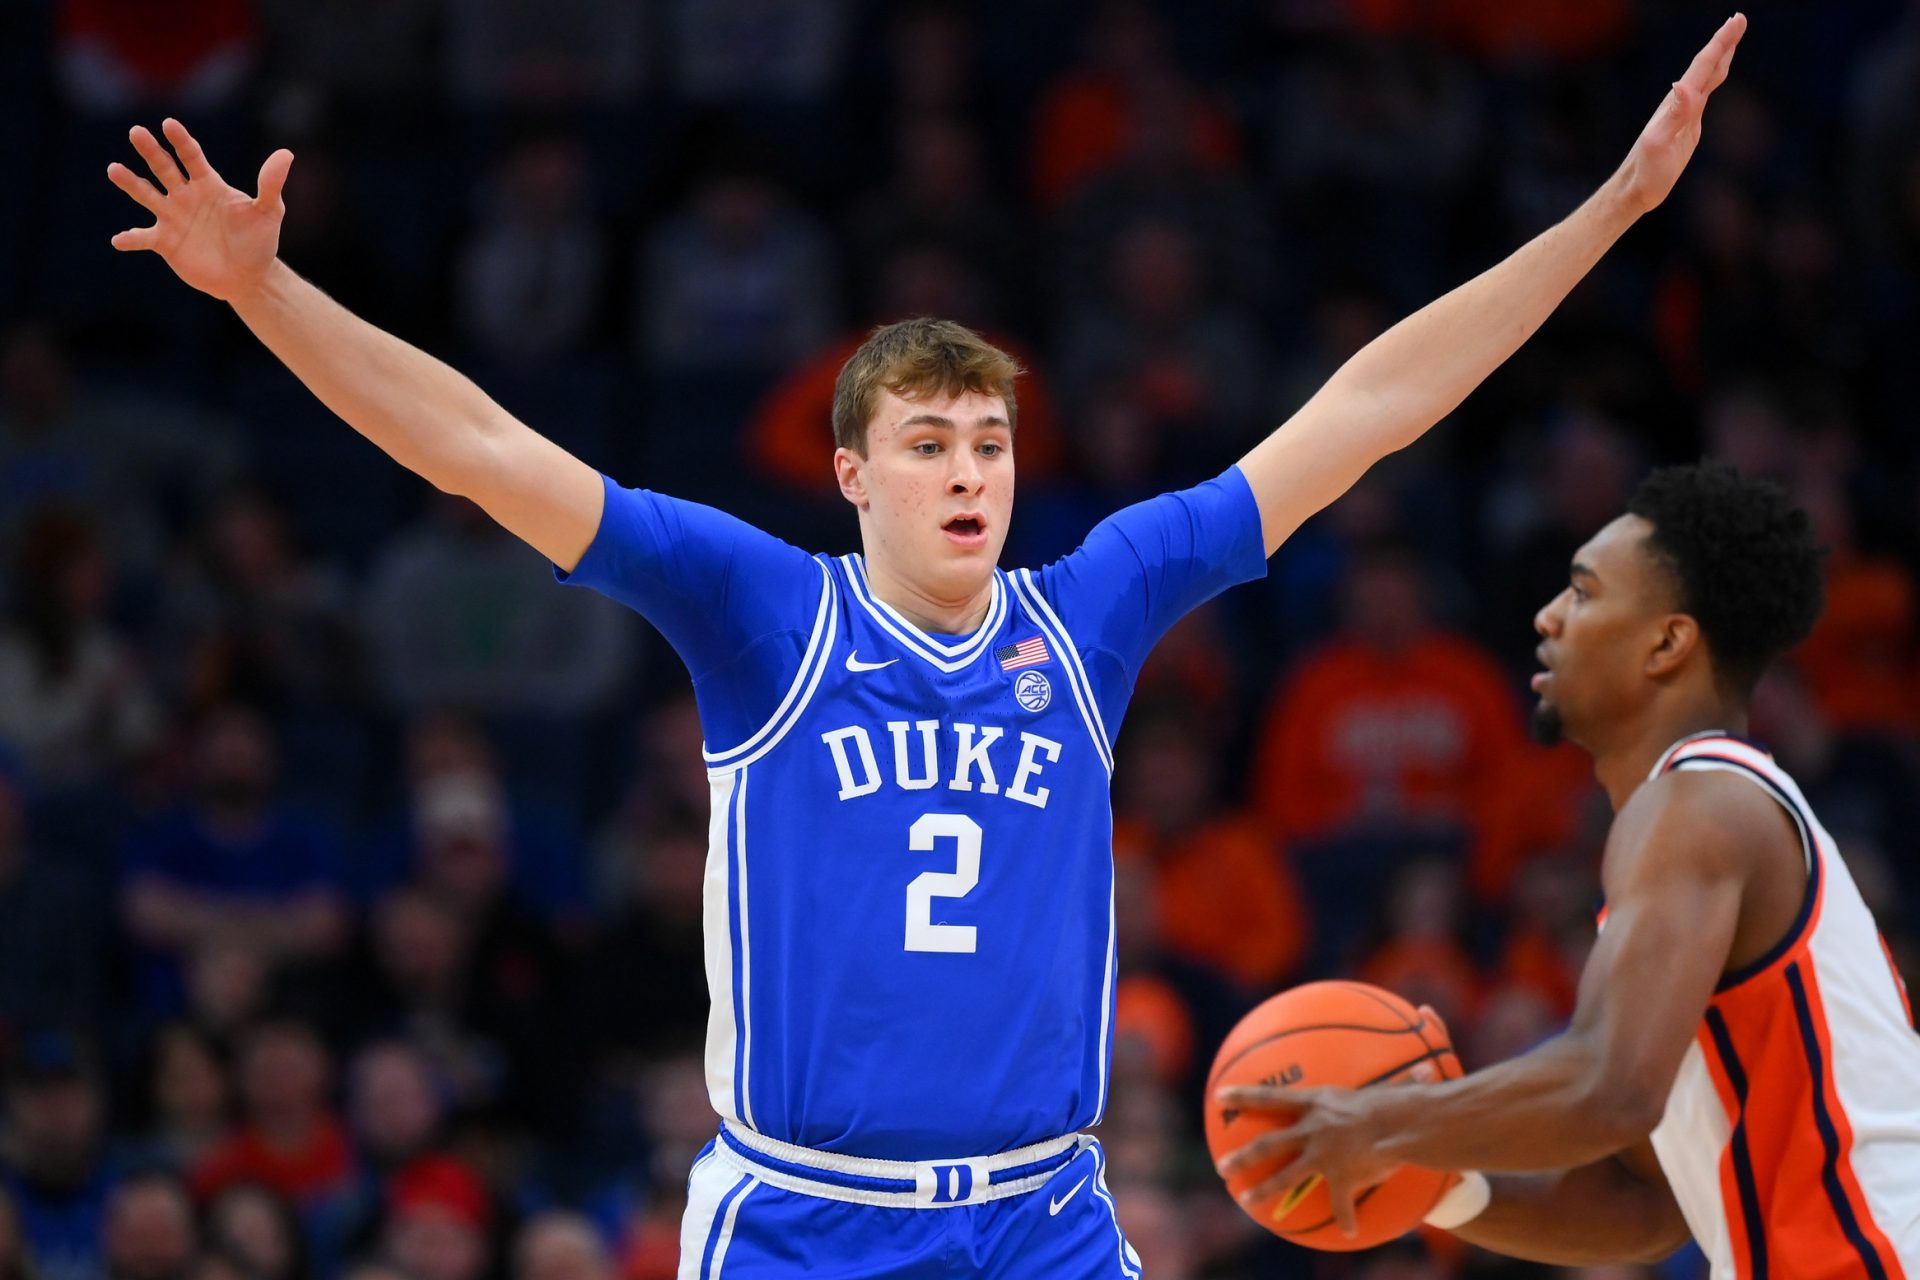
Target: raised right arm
(425,415)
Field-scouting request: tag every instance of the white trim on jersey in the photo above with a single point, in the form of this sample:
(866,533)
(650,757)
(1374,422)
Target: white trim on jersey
(715,1191)
(812,664)
(1707,764)
(1057,635)
(746,953)
(1129,1259)
(726,1230)
(729,1028)
(1028,590)
(1106,987)
(947,657)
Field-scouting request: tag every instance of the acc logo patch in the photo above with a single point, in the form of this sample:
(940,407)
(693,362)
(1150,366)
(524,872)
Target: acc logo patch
(1032,691)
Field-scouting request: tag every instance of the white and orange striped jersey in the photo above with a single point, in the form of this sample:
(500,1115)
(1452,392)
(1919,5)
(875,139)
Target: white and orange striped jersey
(1792,1135)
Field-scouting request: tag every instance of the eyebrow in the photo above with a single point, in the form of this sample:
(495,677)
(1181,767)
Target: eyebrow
(1579,570)
(940,420)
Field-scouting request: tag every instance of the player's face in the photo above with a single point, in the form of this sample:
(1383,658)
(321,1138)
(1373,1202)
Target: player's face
(935,490)
(1596,635)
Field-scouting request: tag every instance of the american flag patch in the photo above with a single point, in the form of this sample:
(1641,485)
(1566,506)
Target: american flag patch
(1028,653)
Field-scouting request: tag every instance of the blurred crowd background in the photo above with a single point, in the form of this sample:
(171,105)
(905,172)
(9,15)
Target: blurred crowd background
(350,871)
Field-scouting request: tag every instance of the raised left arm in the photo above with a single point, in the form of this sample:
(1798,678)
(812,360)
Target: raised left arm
(1417,372)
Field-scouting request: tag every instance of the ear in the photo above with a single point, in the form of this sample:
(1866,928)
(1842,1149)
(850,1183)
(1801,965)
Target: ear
(849,468)
(1678,639)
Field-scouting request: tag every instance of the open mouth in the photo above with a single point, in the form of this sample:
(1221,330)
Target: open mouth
(965,529)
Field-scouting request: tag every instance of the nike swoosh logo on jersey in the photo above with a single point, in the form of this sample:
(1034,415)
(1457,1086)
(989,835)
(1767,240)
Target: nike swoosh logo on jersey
(1055,1206)
(854,663)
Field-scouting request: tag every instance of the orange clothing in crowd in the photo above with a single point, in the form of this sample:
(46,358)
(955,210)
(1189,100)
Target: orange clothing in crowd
(1147,1011)
(1224,896)
(1086,124)
(1537,808)
(1426,970)
(1859,662)
(1538,962)
(791,436)
(1360,737)
(315,1171)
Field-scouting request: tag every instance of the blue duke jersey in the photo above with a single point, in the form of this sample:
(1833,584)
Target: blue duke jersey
(909,889)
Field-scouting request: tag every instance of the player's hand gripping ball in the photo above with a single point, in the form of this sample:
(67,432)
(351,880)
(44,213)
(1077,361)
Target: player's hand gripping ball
(1347,1034)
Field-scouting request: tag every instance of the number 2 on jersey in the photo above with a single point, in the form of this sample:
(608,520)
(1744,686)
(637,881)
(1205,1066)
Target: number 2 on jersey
(922,933)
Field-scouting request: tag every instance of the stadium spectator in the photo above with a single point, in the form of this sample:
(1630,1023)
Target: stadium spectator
(530,275)
(56,1171)
(737,277)
(1420,952)
(73,701)
(120,460)
(289,1138)
(1226,896)
(938,194)
(230,868)
(150,1232)
(438,1216)
(258,1228)
(1395,727)
(459,828)
(1088,117)
(1158,338)
(653,856)
(560,1246)
(189,1075)
(460,615)
(250,619)
(120,56)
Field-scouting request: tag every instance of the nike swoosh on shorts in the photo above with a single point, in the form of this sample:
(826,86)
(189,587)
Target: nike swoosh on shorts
(1055,1206)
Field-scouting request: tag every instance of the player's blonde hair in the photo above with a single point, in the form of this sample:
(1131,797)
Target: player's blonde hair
(915,358)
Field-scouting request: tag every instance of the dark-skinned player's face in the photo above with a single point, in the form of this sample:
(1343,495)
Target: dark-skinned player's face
(1596,636)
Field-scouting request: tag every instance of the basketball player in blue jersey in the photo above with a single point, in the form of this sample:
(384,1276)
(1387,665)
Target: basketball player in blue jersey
(909,918)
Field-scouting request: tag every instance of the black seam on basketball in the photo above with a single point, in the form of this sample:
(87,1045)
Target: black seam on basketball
(1329,1219)
(1318,1026)
(1367,991)
(1410,1063)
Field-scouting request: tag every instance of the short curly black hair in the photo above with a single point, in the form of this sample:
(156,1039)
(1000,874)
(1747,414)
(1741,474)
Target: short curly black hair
(1744,559)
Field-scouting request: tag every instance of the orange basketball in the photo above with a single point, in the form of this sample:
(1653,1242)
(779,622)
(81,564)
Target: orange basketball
(1329,1033)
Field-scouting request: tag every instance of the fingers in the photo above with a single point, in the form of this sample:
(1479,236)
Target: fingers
(136,238)
(1344,1212)
(157,157)
(1255,1151)
(1288,1186)
(136,186)
(191,155)
(1709,66)
(1265,1097)
(1729,34)
(273,178)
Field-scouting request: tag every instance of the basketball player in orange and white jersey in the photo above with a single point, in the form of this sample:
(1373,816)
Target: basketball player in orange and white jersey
(1742,1062)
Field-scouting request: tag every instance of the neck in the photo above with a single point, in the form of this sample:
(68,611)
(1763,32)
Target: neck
(929,613)
(1624,763)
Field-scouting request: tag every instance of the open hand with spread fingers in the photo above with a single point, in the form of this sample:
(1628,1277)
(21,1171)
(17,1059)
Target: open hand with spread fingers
(1666,144)
(216,237)
(1335,1135)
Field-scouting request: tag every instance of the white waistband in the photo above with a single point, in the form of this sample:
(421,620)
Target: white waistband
(915,1184)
